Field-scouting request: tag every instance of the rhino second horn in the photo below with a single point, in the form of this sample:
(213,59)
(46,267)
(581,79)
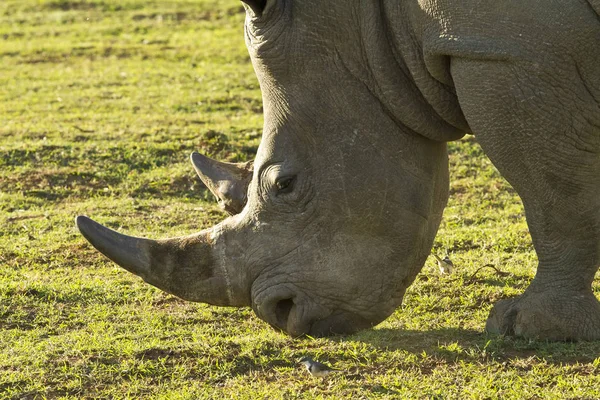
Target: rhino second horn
(257,6)
(182,266)
(227,181)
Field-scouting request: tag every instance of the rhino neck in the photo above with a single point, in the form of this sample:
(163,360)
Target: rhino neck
(394,68)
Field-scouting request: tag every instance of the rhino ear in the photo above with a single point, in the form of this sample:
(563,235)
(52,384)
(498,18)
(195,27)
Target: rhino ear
(227,181)
(257,6)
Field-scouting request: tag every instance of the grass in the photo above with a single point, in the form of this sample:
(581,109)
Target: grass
(101,103)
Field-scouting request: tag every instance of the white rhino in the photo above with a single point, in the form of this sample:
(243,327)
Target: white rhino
(339,210)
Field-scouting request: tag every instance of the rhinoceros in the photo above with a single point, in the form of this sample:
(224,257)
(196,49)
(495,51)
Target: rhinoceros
(338,212)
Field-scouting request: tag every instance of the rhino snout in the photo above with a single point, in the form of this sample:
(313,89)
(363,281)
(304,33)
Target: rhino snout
(298,315)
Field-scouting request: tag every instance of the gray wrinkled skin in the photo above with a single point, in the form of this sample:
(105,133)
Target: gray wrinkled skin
(351,177)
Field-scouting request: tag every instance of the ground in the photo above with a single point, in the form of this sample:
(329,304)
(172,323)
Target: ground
(101,103)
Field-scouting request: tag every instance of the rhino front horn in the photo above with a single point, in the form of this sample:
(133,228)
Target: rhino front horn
(182,266)
(227,181)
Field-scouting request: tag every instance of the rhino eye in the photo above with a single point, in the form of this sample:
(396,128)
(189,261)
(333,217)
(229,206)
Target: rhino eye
(285,184)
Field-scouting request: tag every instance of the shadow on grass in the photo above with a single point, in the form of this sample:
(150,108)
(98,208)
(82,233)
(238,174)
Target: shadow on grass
(456,344)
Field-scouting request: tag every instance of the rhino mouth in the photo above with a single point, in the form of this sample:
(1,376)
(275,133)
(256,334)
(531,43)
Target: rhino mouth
(300,316)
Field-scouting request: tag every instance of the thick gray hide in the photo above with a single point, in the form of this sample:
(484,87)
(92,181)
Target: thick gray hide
(351,178)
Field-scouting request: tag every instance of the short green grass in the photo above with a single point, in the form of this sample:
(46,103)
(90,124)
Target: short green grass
(101,102)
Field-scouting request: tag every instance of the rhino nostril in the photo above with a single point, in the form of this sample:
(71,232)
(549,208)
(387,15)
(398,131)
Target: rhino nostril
(282,312)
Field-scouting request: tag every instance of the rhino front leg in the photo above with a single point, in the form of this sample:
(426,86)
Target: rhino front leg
(540,125)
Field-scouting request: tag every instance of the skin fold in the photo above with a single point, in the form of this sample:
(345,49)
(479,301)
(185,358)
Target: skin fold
(337,214)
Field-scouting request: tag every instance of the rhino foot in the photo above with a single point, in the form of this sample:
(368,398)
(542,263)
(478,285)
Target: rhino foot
(548,315)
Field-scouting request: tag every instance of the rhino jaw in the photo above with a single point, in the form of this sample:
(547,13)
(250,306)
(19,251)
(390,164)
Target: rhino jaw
(185,266)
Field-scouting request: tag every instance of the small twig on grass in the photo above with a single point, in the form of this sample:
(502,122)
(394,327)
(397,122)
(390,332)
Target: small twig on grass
(472,277)
(80,129)
(498,272)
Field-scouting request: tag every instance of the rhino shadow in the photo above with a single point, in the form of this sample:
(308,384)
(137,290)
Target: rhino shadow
(454,345)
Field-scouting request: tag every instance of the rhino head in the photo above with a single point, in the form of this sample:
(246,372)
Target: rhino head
(338,212)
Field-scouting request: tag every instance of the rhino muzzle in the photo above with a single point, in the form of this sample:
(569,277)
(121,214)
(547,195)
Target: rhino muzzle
(299,312)
(194,268)
(298,317)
